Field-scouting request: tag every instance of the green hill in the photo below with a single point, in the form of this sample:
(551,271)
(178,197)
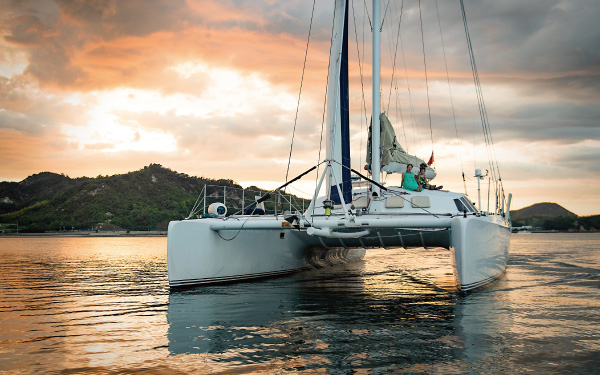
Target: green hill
(146,199)
(552,216)
(38,187)
(541,209)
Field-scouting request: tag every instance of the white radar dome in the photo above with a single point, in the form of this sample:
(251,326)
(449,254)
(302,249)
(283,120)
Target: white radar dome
(217,209)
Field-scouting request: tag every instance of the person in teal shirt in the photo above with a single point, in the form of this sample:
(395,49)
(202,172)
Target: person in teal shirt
(408,179)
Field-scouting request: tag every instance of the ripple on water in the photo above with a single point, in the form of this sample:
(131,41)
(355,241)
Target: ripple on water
(88,305)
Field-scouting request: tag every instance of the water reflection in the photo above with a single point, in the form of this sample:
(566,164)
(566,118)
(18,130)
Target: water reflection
(362,315)
(103,306)
(81,303)
(482,326)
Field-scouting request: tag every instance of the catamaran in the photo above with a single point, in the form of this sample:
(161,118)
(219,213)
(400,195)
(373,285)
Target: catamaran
(350,217)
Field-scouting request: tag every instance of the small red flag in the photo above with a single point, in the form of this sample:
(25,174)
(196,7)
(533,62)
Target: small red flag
(430,159)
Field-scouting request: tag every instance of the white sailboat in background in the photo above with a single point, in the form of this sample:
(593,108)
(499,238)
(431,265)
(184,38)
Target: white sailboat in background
(341,225)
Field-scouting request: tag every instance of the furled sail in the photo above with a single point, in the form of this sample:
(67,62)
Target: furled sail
(338,125)
(393,157)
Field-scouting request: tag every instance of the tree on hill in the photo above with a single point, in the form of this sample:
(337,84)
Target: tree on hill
(590,223)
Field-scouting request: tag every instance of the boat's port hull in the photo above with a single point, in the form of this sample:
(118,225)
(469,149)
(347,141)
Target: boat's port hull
(198,255)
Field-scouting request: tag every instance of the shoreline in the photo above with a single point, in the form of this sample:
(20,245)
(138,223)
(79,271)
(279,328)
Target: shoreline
(155,233)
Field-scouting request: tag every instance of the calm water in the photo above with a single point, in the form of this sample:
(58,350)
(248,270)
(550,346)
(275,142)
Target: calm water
(102,305)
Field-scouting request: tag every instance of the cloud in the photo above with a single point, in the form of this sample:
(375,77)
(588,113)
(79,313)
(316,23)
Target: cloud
(91,45)
(112,19)
(22,108)
(210,88)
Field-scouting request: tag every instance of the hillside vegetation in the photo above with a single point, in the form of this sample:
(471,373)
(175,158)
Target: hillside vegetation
(541,209)
(142,200)
(551,216)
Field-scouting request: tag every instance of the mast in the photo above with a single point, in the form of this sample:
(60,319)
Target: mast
(376,132)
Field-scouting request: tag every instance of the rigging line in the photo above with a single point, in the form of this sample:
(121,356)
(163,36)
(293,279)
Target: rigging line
(326,89)
(265,193)
(324,104)
(197,204)
(398,105)
(411,106)
(300,93)
(296,178)
(358,173)
(299,191)
(482,110)
(450,93)
(384,13)
(394,62)
(473,68)
(368,16)
(474,142)
(287,198)
(390,47)
(478,91)
(426,80)
(394,80)
(495,170)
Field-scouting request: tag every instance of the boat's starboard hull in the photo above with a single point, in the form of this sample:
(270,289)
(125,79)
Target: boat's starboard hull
(480,247)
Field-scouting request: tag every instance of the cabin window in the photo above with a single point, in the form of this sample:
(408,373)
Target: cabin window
(468,204)
(460,206)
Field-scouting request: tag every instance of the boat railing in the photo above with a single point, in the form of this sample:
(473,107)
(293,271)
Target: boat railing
(236,199)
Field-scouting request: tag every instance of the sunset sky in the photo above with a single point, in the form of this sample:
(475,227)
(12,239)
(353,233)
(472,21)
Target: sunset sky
(210,88)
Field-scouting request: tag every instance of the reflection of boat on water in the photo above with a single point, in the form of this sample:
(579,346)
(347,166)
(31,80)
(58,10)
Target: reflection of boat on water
(343,316)
(348,317)
(223,321)
(339,226)
(482,326)
(254,319)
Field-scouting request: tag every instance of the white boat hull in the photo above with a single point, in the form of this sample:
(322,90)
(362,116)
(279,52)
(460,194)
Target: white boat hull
(199,255)
(480,247)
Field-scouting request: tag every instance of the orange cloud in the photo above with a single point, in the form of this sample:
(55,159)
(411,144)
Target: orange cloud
(93,87)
